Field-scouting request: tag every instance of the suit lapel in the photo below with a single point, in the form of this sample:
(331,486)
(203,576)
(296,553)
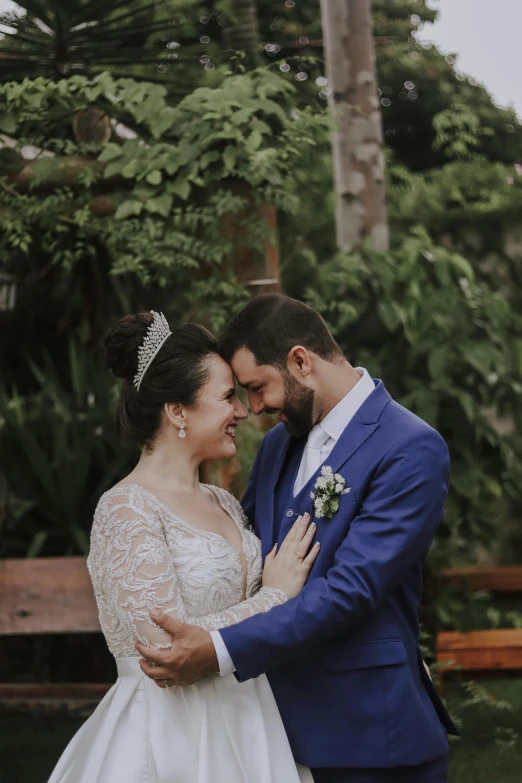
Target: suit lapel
(358,430)
(353,437)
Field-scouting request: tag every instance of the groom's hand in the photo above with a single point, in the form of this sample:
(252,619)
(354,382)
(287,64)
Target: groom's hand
(191,657)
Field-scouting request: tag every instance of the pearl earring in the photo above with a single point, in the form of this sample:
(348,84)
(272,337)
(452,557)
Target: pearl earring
(182,433)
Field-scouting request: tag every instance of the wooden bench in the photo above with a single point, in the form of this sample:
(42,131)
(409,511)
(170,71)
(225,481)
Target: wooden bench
(51,595)
(482,652)
(499,579)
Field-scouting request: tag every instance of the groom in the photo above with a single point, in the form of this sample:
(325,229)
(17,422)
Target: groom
(343,657)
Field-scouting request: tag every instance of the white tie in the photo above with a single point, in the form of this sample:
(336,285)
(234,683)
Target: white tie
(312,457)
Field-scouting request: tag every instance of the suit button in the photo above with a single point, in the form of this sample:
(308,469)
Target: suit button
(289,513)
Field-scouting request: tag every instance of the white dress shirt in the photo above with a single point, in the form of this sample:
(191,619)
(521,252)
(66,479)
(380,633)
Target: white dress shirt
(322,438)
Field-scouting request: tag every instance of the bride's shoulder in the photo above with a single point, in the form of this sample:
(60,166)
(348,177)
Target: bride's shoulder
(122,500)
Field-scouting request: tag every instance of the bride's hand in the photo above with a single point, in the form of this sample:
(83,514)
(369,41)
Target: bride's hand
(288,568)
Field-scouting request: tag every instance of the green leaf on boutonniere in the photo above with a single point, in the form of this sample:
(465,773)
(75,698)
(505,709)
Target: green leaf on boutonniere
(328,489)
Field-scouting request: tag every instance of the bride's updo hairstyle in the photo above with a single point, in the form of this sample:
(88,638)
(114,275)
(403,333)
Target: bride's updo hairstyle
(176,374)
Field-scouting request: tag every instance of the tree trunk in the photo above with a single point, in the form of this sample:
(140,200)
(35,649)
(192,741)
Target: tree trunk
(357,141)
(242,30)
(257,268)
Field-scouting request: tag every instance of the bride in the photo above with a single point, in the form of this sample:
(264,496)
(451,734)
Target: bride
(163,541)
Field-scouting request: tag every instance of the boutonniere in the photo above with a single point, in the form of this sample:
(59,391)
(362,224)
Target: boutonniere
(328,489)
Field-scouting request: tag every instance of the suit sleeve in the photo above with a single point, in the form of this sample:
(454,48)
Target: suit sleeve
(393,532)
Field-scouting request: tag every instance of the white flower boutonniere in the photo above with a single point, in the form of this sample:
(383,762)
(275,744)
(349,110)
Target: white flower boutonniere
(328,489)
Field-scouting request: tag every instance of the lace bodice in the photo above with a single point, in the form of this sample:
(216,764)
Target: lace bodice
(144,557)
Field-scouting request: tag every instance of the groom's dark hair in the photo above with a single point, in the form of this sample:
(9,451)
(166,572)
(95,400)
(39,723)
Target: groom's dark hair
(271,325)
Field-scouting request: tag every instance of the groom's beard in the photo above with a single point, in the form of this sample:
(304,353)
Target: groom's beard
(298,407)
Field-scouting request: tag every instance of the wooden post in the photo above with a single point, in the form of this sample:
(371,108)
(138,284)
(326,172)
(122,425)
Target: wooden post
(259,270)
(242,30)
(357,141)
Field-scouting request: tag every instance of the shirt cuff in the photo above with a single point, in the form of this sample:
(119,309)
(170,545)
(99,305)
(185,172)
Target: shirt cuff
(226,664)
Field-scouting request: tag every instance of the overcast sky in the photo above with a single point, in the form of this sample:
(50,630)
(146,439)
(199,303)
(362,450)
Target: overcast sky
(486,35)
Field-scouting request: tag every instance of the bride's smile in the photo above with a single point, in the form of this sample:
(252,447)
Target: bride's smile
(212,421)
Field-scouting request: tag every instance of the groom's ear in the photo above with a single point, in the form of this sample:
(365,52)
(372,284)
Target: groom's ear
(299,361)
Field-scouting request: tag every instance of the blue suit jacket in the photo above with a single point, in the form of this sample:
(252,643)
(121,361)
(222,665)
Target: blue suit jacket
(343,658)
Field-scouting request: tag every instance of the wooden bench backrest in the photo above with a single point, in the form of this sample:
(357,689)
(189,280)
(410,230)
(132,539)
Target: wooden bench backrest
(468,640)
(492,650)
(502,579)
(47,595)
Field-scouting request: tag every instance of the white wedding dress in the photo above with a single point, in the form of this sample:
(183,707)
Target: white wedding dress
(144,557)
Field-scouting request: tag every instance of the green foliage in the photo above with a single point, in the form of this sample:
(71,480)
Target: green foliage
(479,695)
(461,609)
(400,18)
(181,190)
(185,193)
(458,131)
(64,453)
(483,705)
(242,129)
(457,196)
(12,508)
(248,439)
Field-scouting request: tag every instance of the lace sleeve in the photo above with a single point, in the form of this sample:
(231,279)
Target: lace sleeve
(132,571)
(133,574)
(263,601)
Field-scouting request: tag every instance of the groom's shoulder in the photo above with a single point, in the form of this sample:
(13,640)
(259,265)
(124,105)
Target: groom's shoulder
(408,427)
(275,437)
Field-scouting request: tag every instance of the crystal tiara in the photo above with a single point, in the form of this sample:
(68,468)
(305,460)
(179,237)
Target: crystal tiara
(156,335)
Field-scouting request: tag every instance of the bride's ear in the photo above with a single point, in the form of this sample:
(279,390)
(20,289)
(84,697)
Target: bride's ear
(175,413)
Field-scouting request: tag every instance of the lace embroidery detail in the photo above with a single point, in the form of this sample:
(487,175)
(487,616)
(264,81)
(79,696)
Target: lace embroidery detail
(144,557)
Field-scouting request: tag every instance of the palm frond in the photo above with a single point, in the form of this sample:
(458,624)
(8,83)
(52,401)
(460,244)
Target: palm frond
(40,9)
(73,36)
(97,9)
(22,35)
(119,18)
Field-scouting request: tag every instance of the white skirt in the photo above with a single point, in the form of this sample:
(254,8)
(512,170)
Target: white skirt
(216,731)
